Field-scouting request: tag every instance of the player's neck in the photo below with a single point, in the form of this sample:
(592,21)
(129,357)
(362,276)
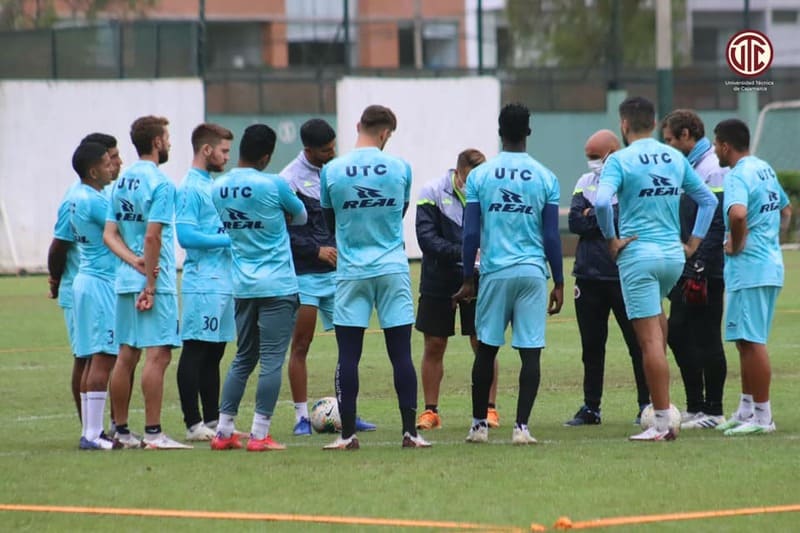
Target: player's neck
(734,158)
(93,184)
(514,146)
(367,141)
(638,136)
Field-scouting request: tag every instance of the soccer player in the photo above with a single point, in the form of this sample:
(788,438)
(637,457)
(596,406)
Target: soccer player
(512,215)
(364,196)
(439,225)
(695,316)
(756,210)
(62,265)
(254,208)
(597,288)
(110,142)
(94,300)
(139,224)
(314,257)
(647,177)
(206,289)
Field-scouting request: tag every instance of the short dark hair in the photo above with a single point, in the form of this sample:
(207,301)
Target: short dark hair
(86,156)
(208,133)
(377,117)
(734,132)
(639,112)
(109,141)
(681,119)
(514,122)
(258,140)
(144,131)
(470,158)
(316,133)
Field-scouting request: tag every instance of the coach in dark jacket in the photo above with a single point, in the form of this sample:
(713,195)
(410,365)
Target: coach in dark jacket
(440,213)
(597,287)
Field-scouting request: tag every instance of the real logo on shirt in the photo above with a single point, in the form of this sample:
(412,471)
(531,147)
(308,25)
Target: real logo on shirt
(662,186)
(368,197)
(511,202)
(772,205)
(239,220)
(128,212)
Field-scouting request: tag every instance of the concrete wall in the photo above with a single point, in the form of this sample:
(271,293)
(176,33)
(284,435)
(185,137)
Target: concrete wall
(41,123)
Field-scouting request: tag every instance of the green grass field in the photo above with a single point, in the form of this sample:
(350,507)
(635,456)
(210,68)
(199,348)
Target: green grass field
(583,473)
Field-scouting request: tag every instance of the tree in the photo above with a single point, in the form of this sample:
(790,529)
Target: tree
(28,14)
(580,33)
(122,8)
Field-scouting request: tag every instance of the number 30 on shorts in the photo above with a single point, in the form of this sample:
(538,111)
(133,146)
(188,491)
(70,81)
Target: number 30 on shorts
(210,323)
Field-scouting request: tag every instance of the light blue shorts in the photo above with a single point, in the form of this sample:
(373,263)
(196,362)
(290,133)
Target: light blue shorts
(749,312)
(319,290)
(645,283)
(516,296)
(207,317)
(390,294)
(70,324)
(94,306)
(143,329)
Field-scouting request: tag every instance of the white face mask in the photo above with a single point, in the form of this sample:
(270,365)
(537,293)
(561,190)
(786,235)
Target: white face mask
(595,165)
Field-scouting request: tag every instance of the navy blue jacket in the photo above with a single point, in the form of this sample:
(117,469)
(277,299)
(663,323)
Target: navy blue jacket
(592,259)
(440,214)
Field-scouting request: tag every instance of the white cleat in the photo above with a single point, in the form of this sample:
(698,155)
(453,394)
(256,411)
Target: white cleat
(521,435)
(200,433)
(652,434)
(162,442)
(415,441)
(128,441)
(478,433)
(751,428)
(703,422)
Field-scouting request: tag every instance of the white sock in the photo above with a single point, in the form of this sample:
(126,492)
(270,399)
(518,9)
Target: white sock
(763,413)
(477,421)
(212,424)
(745,409)
(83,414)
(225,426)
(195,427)
(300,411)
(260,428)
(662,419)
(95,406)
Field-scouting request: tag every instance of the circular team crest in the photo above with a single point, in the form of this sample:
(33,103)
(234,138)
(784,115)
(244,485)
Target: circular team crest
(749,53)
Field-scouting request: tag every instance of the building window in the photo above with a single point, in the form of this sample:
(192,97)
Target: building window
(233,45)
(704,45)
(316,53)
(439,44)
(784,16)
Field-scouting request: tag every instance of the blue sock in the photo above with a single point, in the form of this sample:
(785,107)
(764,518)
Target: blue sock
(398,344)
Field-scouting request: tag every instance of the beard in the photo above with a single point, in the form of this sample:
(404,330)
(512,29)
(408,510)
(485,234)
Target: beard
(213,167)
(624,138)
(163,156)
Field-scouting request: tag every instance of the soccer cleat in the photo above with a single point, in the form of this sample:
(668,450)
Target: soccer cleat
(652,434)
(350,443)
(521,435)
(493,418)
(96,444)
(429,420)
(703,421)
(363,425)
(226,443)
(303,427)
(584,417)
(478,433)
(263,445)
(415,441)
(128,441)
(750,428)
(734,421)
(161,442)
(200,433)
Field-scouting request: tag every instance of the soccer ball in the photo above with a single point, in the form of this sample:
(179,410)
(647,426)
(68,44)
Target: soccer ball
(325,416)
(648,418)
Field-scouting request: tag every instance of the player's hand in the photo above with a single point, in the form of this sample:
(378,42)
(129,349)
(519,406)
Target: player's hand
(466,293)
(556,299)
(145,300)
(139,266)
(690,247)
(54,284)
(615,246)
(328,254)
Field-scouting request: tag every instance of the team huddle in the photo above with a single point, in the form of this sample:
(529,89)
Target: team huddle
(266,253)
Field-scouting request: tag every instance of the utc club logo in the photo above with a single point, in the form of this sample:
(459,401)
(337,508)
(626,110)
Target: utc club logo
(368,197)
(511,203)
(749,53)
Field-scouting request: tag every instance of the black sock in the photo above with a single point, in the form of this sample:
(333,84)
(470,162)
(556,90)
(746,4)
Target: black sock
(409,417)
(491,405)
(482,376)
(351,342)
(210,381)
(152,430)
(122,429)
(529,377)
(432,407)
(398,346)
(188,375)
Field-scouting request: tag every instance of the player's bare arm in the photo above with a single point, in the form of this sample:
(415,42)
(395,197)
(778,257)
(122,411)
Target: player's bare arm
(113,240)
(152,251)
(56,262)
(737,219)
